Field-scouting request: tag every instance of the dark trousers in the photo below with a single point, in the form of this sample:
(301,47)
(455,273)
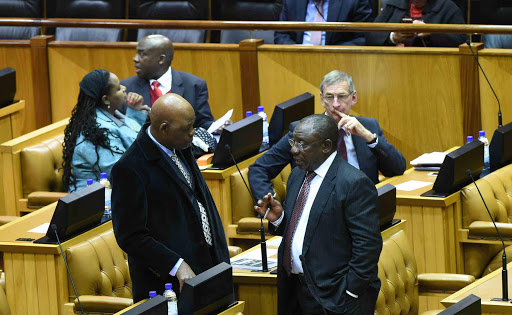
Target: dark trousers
(306,304)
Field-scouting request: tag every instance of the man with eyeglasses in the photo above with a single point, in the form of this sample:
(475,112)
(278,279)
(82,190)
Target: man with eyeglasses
(361,142)
(327,260)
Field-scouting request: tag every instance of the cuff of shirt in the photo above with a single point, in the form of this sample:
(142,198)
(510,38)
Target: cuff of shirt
(373,145)
(176,267)
(277,222)
(352,294)
(391,37)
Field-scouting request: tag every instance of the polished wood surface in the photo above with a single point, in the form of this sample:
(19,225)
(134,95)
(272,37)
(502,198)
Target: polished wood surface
(17,55)
(249,73)
(260,25)
(218,65)
(237,309)
(35,274)
(414,93)
(11,121)
(259,289)
(486,288)
(470,91)
(41,83)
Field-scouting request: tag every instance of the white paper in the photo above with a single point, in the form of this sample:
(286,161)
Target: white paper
(429,158)
(412,185)
(43,228)
(274,242)
(219,122)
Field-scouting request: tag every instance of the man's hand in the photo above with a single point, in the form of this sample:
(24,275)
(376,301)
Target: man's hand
(399,37)
(353,126)
(184,273)
(269,202)
(136,102)
(420,34)
(226,123)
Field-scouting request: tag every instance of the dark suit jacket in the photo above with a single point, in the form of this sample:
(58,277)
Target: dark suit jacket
(342,243)
(339,11)
(192,88)
(156,218)
(436,11)
(384,157)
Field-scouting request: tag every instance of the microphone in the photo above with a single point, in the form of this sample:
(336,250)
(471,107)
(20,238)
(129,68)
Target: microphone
(53,228)
(500,118)
(504,273)
(263,244)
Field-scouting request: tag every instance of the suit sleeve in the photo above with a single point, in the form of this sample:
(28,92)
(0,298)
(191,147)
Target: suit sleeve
(129,217)
(204,117)
(284,37)
(268,166)
(390,162)
(448,40)
(381,38)
(362,216)
(361,13)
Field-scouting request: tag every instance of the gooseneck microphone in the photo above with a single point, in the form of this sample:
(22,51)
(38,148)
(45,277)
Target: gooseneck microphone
(53,227)
(500,118)
(504,273)
(263,244)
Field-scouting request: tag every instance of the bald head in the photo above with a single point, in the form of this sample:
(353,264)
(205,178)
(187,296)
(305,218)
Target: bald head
(154,56)
(172,121)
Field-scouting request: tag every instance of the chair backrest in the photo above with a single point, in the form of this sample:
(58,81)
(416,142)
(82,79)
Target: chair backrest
(98,9)
(171,10)
(398,275)
(100,267)
(4,305)
(20,8)
(241,200)
(41,166)
(481,259)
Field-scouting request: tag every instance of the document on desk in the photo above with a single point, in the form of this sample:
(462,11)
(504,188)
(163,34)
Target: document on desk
(412,185)
(251,260)
(43,228)
(432,158)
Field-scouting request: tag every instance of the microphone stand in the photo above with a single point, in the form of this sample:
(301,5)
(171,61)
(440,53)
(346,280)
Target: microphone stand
(263,243)
(504,273)
(500,118)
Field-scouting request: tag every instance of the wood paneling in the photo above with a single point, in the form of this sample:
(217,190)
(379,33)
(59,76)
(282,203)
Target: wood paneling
(497,64)
(218,65)
(249,72)
(413,92)
(470,93)
(40,72)
(17,56)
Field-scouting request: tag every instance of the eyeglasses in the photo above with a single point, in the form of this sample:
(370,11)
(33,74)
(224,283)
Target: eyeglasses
(300,145)
(329,98)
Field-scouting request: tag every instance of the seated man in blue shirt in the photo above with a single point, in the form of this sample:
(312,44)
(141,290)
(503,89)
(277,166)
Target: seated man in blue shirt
(323,11)
(361,143)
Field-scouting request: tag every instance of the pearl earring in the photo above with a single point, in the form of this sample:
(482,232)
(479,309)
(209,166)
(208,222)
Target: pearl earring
(108,104)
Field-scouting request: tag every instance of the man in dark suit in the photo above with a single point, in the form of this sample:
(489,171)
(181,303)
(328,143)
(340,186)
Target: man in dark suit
(323,11)
(163,214)
(155,77)
(362,142)
(327,260)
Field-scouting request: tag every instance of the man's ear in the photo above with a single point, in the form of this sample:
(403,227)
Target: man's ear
(328,145)
(164,127)
(162,59)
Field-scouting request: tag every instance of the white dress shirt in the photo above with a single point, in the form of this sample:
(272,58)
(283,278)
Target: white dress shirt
(165,82)
(310,17)
(169,153)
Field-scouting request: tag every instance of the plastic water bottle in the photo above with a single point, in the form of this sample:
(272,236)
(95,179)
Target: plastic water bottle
(248,113)
(108,194)
(469,139)
(485,141)
(172,301)
(152,294)
(263,115)
(90,182)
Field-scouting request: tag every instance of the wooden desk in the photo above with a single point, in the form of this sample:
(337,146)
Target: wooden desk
(430,223)
(234,310)
(36,279)
(219,182)
(259,289)
(486,288)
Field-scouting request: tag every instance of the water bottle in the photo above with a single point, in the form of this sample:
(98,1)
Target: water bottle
(90,182)
(108,194)
(152,294)
(248,113)
(485,141)
(469,139)
(265,124)
(172,301)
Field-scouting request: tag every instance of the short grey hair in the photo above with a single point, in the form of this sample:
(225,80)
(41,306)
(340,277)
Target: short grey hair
(337,76)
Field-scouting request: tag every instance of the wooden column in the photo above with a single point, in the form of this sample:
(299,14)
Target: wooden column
(470,90)
(249,74)
(41,79)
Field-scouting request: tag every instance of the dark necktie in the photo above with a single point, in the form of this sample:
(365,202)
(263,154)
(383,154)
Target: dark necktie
(294,221)
(342,148)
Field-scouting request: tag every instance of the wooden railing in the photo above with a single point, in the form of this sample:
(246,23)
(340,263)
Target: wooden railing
(253,25)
